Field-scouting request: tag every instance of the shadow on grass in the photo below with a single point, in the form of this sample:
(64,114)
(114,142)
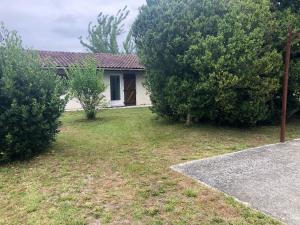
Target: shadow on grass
(100,118)
(159,121)
(97,120)
(28,159)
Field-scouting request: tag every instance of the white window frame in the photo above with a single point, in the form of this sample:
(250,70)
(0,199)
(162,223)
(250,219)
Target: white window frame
(118,103)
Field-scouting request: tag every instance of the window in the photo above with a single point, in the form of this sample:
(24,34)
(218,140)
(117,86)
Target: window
(115,88)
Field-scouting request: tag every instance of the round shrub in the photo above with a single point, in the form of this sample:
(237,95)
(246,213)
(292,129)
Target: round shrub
(30,103)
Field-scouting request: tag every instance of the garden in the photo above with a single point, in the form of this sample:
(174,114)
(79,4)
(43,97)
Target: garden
(214,74)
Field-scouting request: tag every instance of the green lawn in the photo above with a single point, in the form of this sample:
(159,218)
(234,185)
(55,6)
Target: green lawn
(116,171)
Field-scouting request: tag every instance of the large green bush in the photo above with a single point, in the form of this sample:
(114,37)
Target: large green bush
(211,59)
(87,85)
(287,15)
(30,102)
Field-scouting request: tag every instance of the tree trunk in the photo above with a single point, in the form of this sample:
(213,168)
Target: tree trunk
(188,121)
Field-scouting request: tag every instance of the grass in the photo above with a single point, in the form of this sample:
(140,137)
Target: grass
(115,170)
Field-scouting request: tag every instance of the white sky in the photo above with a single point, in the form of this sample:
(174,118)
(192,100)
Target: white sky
(57,24)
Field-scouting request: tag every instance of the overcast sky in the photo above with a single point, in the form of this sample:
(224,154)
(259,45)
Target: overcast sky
(57,24)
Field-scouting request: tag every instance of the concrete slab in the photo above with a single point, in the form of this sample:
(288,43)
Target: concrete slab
(267,178)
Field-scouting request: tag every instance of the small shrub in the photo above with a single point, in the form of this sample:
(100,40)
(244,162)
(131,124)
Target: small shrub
(30,102)
(87,85)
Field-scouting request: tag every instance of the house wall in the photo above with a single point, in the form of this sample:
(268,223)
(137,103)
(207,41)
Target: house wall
(142,98)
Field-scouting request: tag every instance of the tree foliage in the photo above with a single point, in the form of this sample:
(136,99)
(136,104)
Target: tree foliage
(103,37)
(211,59)
(87,85)
(128,44)
(30,100)
(294,5)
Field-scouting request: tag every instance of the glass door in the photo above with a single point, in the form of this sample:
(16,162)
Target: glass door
(115,91)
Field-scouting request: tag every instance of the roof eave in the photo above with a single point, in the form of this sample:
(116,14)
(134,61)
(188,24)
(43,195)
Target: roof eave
(104,68)
(123,69)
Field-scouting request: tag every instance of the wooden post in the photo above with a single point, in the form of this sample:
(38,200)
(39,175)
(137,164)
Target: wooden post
(285,86)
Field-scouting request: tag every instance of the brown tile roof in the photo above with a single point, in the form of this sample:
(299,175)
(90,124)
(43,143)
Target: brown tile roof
(104,60)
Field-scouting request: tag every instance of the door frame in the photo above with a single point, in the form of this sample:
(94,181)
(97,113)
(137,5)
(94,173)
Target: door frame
(117,103)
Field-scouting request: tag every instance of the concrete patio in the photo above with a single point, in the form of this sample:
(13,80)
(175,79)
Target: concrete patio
(267,178)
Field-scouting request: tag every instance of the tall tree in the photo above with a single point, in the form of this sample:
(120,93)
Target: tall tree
(103,37)
(128,44)
(152,2)
(209,59)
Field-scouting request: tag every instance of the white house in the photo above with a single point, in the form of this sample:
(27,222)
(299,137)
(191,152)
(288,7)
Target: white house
(123,75)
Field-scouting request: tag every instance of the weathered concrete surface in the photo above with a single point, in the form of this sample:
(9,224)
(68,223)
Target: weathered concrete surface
(268,178)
